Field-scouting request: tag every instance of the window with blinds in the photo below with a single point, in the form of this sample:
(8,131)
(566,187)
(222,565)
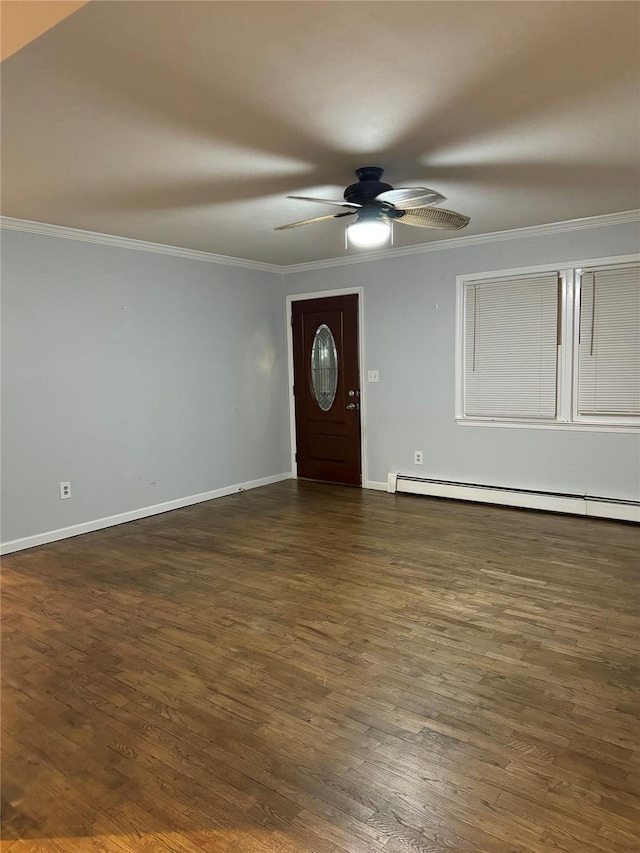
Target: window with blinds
(609,342)
(511,347)
(551,347)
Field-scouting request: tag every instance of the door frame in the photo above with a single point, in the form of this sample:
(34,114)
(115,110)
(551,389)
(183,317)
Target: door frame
(321,294)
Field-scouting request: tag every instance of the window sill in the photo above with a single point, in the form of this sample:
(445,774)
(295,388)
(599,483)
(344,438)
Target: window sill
(557,425)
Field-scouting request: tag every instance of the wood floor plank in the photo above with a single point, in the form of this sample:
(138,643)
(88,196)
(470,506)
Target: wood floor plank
(313,669)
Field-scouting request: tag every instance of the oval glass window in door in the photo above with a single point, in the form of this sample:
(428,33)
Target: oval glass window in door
(324,367)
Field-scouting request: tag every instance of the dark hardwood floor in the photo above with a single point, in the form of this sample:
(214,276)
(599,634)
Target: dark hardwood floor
(315,669)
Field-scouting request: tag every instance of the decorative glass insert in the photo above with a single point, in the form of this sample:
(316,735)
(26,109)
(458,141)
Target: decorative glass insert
(324,367)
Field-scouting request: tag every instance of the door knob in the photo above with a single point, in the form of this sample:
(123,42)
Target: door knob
(352,406)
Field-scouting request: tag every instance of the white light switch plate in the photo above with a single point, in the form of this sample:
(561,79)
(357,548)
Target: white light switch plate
(373,376)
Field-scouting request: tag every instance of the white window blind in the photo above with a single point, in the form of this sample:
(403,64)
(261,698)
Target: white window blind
(511,347)
(609,348)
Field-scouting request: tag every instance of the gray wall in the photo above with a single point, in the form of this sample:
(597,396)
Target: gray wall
(146,378)
(141,378)
(411,342)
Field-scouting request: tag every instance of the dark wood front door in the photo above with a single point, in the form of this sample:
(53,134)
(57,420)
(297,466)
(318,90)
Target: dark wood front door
(327,389)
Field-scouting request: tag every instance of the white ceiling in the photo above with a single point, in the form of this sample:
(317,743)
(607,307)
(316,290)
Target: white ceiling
(187,123)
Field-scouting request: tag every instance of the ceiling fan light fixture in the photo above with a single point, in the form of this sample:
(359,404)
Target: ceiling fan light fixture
(377,206)
(368,233)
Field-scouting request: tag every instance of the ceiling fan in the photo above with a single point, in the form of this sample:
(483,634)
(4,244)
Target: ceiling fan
(376,205)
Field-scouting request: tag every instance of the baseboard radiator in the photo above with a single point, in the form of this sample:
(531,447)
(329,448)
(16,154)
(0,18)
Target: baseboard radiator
(528,498)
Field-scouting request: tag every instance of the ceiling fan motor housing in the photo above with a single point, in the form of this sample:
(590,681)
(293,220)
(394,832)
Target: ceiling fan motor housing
(368,186)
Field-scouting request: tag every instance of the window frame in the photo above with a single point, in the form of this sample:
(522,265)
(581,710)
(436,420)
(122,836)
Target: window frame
(567,416)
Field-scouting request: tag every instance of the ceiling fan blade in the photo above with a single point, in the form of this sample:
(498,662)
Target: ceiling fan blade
(351,204)
(431,217)
(317,219)
(410,197)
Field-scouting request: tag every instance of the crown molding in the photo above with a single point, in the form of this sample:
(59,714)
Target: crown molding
(472,240)
(129,243)
(384,254)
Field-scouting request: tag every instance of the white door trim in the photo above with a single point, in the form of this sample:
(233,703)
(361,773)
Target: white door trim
(320,294)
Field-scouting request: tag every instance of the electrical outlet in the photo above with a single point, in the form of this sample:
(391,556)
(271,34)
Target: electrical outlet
(65,491)
(417,457)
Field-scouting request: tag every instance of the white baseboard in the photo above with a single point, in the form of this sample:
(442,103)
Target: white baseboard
(372,484)
(617,511)
(134,514)
(572,504)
